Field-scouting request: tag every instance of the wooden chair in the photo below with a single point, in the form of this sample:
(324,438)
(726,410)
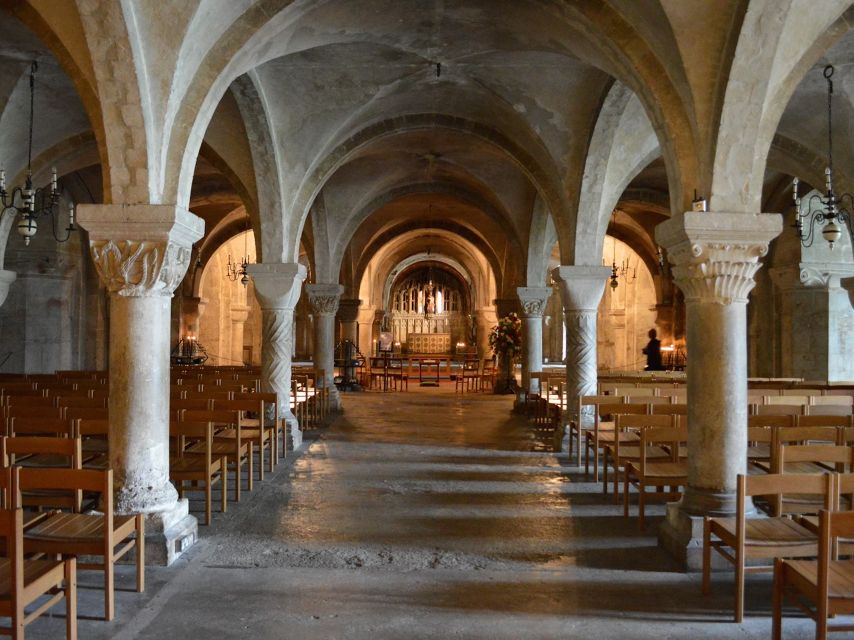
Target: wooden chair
(261,436)
(801,435)
(655,471)
(741,539)
(38,426)
(25,581)
(95,441)
(585,420)
(469,377)
(603,434)
(624,449)
(488,373)
(821,588)
(272,419)
(195,468)
(236,451)
(84,534)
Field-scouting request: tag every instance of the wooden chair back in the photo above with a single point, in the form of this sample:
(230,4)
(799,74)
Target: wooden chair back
(676,409)
(39,426)
(772,421)
(775,486)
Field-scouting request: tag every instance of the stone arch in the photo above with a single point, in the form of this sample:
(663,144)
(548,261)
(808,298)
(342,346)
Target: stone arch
(456,191)
(544,178)
(458,230)
(398,270)
(778,43)
(541,239)
(610,167)
(265,157)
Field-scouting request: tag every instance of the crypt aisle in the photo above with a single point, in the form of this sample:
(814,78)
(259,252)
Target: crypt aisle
(433,510)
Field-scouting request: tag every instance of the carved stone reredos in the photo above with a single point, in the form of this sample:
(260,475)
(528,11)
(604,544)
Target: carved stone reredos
(534,300)
(324,298)
(715,256)
(140,250)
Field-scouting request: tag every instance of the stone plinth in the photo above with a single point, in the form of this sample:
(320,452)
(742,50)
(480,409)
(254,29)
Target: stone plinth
(141,253)
(714,258)
(278,287)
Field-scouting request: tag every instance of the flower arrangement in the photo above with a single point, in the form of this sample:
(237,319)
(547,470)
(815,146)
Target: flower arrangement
(506,337)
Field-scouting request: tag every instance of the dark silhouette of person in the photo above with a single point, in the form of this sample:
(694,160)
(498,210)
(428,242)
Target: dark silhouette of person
(653,352)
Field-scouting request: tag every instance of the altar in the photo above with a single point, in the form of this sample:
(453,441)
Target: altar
(428,343)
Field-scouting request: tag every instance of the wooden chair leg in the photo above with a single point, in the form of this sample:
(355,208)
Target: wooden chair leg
(707,556)
(223,481)
(739,587)
(249,456)
(626,491)
(71,598)
(208,501)
(777,601)
(109,586)
(140,552)
(641,504)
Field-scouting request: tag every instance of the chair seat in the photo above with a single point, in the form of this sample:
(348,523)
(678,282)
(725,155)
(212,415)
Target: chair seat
(840,578)
(77,527)
(632,452)
(766,532)
(759,452)
(34,570)
(609,437)
(193,464)
(665,471)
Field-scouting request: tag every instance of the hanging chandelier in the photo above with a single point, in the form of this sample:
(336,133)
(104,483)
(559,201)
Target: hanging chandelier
(29,202)
(827,211)
(235,271)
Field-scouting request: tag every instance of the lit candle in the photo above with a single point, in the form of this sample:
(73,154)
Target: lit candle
(53,179)
(71,214)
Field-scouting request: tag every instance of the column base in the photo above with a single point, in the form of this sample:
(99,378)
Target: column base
(334,397)
(293,433)
(681,533)
(168,534)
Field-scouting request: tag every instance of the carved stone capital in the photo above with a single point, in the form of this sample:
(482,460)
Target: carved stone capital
(348,309)
(534,300)
(715,256)
(277,284)
(581,286)
(239,313)
(324,298)
(140,250)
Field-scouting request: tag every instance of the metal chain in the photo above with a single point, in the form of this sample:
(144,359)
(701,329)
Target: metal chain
(33,70)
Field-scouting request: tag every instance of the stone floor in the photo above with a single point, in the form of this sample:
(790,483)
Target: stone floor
(424,515)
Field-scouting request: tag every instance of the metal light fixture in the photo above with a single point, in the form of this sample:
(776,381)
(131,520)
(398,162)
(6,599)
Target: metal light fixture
(235,272)
(826,211)
(32,203)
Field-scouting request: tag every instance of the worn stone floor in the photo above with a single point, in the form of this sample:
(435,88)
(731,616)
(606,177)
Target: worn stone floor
(424,515)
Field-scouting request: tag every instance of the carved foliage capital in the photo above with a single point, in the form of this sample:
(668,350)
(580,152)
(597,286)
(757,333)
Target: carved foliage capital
(534,300)
(324,298)
(140,267)
(715,256)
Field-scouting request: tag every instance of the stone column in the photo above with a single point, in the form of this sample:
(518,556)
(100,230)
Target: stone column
(714,258)
(324,300)
(239,316)
(817,321)
(277,287)
(141,253)
(581,289)
(348,315)
(534,300)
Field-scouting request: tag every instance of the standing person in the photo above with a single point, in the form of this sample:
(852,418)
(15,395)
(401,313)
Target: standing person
(653,352)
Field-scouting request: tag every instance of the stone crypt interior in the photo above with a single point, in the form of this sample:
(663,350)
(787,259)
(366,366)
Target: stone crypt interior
(251,256)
